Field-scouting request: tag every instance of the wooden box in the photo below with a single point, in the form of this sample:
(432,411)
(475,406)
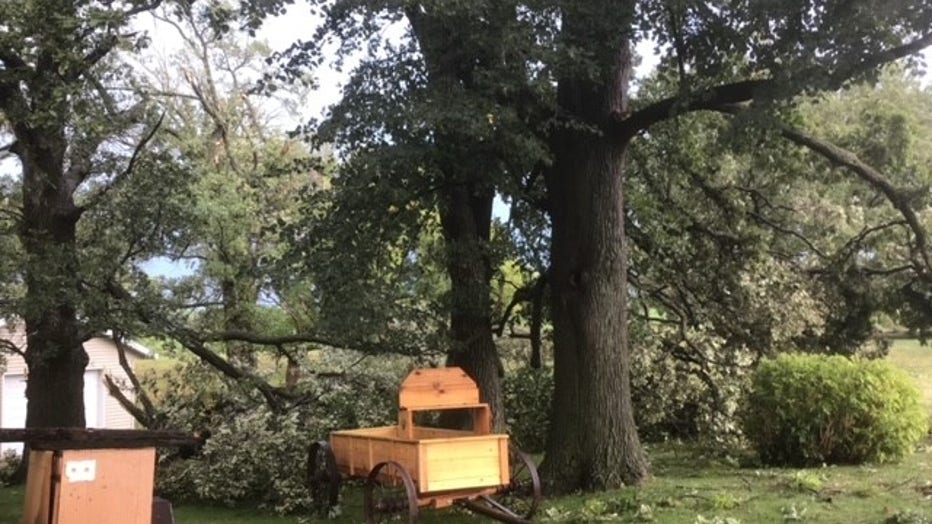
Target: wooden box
(96,486)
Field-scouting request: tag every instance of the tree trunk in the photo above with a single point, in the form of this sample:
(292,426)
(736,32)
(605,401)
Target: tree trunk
(537,322)
(55,356)
(593,442)
(465,209)
(293,373)
(467,217)
(239,295)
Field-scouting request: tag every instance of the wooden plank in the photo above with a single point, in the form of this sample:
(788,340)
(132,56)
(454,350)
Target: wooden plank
(405,423)
(424,433)
(473,481)
(482,420)
(378,433)
(356,455)
(404,453)
(80,438)
(441,407)
(106,486)
(461,463)
(36,507)
(440,387)
(448,498)
(504,466)
(469,437)
(423,472)
(340,445)
(437,396)
(359,448)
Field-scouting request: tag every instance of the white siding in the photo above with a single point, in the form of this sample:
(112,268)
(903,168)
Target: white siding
(103,356)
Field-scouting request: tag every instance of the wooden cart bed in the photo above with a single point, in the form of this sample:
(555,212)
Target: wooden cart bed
(437,459)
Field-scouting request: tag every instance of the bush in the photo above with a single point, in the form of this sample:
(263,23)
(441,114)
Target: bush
(812,409)
(254,455)
(9,464)
(528,393)
(257,457)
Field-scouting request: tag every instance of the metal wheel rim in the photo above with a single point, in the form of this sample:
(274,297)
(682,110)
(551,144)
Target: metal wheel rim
(323,478)
(379,510)
(523,493)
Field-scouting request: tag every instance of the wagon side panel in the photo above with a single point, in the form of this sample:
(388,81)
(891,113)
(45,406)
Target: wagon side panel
(452,464)
(356,455)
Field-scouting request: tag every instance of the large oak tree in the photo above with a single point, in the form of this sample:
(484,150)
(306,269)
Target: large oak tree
(78,144)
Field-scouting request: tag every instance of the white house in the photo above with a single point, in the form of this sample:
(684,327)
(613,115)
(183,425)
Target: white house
(101,409)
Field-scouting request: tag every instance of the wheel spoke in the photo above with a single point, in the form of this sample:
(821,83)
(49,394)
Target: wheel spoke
(522,494)
(390,493)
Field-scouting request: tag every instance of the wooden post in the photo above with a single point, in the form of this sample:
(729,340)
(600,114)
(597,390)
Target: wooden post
(482,420)
(39,487)
(406,423)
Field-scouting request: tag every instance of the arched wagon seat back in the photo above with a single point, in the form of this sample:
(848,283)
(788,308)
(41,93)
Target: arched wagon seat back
(438,389)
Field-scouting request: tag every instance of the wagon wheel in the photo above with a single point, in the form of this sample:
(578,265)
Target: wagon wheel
(521,495)
(323,478)
(389,494)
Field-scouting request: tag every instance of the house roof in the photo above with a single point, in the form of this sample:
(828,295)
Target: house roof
(16,334)
(133,345)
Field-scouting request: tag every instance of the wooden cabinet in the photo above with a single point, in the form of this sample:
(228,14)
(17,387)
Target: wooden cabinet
(90,486)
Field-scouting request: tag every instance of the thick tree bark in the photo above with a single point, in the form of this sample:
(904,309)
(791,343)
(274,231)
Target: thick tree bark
(71,438)
(55,356)
(593,441)
(537,322)
(467,218)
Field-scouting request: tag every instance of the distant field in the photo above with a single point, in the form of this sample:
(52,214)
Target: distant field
(917,361)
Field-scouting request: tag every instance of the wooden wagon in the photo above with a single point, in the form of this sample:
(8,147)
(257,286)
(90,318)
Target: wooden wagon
(409,466)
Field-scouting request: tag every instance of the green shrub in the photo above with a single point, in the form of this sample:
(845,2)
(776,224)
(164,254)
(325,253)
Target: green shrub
(528,393)
(9,464)
(254,455)
(812,409)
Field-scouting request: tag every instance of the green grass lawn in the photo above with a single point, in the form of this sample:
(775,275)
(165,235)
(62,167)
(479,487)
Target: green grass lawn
(686,485)
(917,361)
(689,488)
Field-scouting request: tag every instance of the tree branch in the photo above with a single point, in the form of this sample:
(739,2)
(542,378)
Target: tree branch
(274,396)
(746,90)
(854,243)
(141,395)
(96,197)
(108,42)
(126,403)
(919,252)
(520,295)
(271,340)
(875,179)
(706,100)
(887,56)
(9,346)
(12,101)
(93,56)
